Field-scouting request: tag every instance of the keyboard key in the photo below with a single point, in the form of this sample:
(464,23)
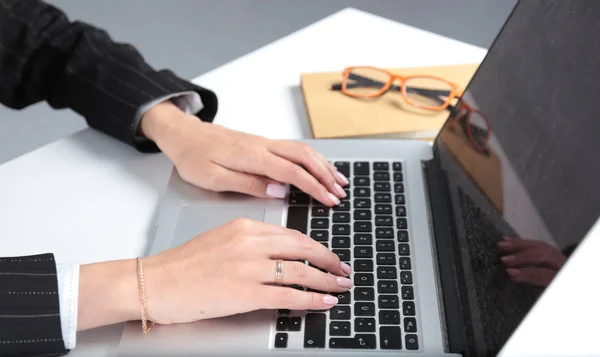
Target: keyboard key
(363,279)
(362,215)
(412,342)
(347,192)
(283,324)
(361,169)
(402,236)
(404,263)
(398,188)
(314,331)
(364,324)
(316,203)
(281,340)
(384,232)
(363,226)
(386,259)
(381,166)
(340,242)
(359,341)
(317,223)
(344,206)
(410,324)
(383,209)
(344,254)
(384,221)
(283,312)
(363,265)
(295,324)
(401,211)
(407,293)
(390,338)
(339,328)
(338,313)
(383,197)
(398,177)
(387,287)
(399,199)
(362,203)
(381,176)
(298,198)
(294,189)
(388,302)
(401,223)
(364,309)
(341,217)
(297,218)
(362,192)
(320,236)
(363,252)
(320,212)
(406,278)
(381,187)
(403,249)
(384,246)
(363,239)
(408,308)
(387,273)
(364,294)
(325,244)
(362,181)
(341,229)
(343,168)
(389,317)
(397,166)
(344,298)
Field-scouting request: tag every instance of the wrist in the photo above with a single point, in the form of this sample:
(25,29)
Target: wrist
(162,121)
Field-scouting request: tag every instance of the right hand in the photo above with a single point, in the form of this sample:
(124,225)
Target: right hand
(228,270)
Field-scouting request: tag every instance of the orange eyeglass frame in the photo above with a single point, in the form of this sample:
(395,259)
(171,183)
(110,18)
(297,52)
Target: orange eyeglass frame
(455,90)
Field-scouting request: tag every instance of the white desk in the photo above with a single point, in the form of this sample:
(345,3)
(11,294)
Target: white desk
(89,198)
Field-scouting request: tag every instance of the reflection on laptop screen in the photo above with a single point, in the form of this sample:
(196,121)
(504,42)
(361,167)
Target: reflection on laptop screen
(521,156)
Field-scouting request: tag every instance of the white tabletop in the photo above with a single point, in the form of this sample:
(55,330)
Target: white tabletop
(90,198)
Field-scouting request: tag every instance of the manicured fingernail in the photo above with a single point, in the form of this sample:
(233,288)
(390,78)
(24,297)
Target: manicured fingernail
(330,300)
(504,244)
(333,199)
(344,282)
(346,269)
(508,258)
(276,190)
(340,191)
(343,178)
(513,272)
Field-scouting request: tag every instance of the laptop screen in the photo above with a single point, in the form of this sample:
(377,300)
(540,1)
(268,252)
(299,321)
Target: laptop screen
(520,157)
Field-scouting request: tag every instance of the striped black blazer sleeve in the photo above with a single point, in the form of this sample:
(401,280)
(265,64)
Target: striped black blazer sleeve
(29,307)
(44,56)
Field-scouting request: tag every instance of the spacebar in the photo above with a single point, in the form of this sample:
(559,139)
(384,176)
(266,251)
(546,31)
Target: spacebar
(298,218)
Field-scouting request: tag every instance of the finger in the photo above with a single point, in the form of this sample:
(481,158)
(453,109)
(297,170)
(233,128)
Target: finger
(550,258)
(302,154)
(510,245)
(537,276)
(296,273)
(278,297)
(339,177)
(293,245)
(258,186)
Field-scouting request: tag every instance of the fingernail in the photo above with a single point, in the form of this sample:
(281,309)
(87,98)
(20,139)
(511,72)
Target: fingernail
(508,258)
(340,190)
(507,238)
(504,244)
(330,300)
(276,190)
(344,282)
(333,199)
(342,177)
(346,269)
(513,272)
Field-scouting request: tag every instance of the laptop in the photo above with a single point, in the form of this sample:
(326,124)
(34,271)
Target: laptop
(422,224)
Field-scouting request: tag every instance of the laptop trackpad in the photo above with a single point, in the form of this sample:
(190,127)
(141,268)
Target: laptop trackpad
(194,220)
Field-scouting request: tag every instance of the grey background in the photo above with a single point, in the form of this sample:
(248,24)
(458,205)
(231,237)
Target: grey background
(194,36)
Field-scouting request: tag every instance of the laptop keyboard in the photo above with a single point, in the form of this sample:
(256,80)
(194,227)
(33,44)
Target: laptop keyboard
(369,231)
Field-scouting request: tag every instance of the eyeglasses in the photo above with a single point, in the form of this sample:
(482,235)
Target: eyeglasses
(474,123)
(421,91)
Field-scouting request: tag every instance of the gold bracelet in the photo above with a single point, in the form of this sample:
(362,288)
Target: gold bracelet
(146,325)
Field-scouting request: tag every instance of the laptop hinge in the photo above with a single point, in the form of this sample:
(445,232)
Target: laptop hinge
(447,257)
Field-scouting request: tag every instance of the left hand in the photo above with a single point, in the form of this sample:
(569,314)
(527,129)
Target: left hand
(219,159)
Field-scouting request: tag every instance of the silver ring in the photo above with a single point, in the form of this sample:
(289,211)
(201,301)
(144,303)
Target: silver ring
(278,271)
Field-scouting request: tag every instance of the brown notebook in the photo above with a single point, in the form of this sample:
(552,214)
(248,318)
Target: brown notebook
(335,115)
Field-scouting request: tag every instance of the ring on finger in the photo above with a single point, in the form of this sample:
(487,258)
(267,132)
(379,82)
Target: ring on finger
(278,271)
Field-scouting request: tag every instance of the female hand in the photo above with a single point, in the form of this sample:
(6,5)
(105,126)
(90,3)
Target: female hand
(219,159)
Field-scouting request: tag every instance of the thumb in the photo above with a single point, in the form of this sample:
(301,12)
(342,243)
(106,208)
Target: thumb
(249,184)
